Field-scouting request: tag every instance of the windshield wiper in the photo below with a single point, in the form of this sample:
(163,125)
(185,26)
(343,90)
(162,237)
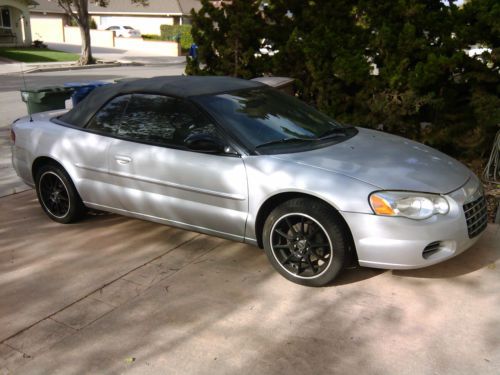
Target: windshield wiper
(335,132)
(284,141)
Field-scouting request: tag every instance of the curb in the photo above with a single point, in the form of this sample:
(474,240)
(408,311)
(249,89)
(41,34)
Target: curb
(76,67)
(41,69)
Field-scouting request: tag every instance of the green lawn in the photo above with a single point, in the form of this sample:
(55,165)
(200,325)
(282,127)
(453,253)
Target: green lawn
(30,55)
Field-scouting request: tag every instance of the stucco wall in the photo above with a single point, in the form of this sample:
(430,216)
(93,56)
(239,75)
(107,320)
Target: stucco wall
(49,28)
(158,48)
(99,38)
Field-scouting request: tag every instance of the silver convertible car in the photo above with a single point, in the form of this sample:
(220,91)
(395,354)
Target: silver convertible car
(240,160)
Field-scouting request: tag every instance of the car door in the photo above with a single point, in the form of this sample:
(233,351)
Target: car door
(159,178)
(89,149)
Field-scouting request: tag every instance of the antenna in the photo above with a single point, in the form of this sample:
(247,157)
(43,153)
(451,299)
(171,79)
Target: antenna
(26,89)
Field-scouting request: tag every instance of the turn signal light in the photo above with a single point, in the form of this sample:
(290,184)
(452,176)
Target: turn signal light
(12,136)
(381,206)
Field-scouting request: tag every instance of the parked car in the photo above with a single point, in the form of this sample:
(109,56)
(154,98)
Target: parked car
(125,31)
(239,160)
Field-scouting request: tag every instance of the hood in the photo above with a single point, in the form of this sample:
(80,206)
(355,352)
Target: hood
(388,162)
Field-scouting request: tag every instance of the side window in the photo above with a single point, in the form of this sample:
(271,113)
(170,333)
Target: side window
(107,120)
(162,120)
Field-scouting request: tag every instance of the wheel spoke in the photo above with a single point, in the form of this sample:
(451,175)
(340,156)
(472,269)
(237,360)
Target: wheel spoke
(53,184)
(281,246)
(282,234)
(319,256)
(64,205)
(299,266)
(302,219)
(290,225)
(288,259)
(308,258)
(46,186)
(312,231)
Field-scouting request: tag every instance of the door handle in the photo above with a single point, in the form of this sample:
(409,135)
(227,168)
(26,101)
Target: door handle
(121,159)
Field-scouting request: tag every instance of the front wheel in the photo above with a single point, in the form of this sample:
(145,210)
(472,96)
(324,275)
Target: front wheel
(57,194)
(305,242)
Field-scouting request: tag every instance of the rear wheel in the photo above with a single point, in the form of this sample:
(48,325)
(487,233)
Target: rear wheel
(305,242)
(57,194)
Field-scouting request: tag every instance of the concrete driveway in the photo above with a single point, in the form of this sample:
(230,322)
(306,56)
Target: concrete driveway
(113,295)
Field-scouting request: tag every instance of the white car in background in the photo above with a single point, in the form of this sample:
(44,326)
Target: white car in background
(125,31)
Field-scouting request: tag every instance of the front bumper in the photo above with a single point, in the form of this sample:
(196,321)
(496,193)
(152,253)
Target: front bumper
(399,243)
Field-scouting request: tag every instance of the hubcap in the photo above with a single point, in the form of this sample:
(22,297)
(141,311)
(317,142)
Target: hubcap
(301,245)
(54,194)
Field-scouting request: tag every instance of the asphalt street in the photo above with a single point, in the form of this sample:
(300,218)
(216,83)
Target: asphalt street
(11,106)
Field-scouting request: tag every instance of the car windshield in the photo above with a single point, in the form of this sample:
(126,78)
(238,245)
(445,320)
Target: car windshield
(128,27)
(264,118)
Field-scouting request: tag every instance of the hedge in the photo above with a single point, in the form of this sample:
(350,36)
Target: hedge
(172,32)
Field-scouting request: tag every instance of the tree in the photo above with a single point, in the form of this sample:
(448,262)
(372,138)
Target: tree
(401,65)
(228,37)
(322,45)
(78,11)
(429,88)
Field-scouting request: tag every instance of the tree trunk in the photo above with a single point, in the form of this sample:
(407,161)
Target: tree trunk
(82,13)
(86,52)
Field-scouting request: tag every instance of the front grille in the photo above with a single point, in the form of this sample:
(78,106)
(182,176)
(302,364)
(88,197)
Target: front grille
(431,248)
(476,215)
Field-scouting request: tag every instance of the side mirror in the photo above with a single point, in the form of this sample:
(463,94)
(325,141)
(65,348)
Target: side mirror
(207,143)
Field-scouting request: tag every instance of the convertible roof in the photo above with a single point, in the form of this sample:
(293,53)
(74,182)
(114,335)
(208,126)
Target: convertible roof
(176,86)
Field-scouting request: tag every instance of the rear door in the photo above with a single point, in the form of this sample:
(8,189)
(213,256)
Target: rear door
(158,177)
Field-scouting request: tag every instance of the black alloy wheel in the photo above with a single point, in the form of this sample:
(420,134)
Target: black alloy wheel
(301,245)
(54,194)
(305,241)
(57,194)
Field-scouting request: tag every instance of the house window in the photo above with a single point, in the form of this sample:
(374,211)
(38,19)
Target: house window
(5,18)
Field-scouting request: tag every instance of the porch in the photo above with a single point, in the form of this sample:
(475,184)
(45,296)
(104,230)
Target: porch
(15,29)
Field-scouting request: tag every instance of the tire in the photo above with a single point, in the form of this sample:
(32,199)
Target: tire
(57,194)
(305,242)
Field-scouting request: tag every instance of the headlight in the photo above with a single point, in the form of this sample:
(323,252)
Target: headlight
(412,205)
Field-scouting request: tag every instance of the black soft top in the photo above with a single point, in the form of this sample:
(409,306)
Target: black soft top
(176,86)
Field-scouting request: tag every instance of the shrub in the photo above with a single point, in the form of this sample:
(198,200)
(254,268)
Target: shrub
(152,36)
(92,23)
(177,32)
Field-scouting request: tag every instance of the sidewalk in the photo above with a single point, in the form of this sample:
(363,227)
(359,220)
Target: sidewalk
(109,57)
(123,55)
(19,67)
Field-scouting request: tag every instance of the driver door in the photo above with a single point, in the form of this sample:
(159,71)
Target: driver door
(158,177)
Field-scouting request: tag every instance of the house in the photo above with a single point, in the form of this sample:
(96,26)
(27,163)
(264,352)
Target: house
(48,18)
(15,25)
